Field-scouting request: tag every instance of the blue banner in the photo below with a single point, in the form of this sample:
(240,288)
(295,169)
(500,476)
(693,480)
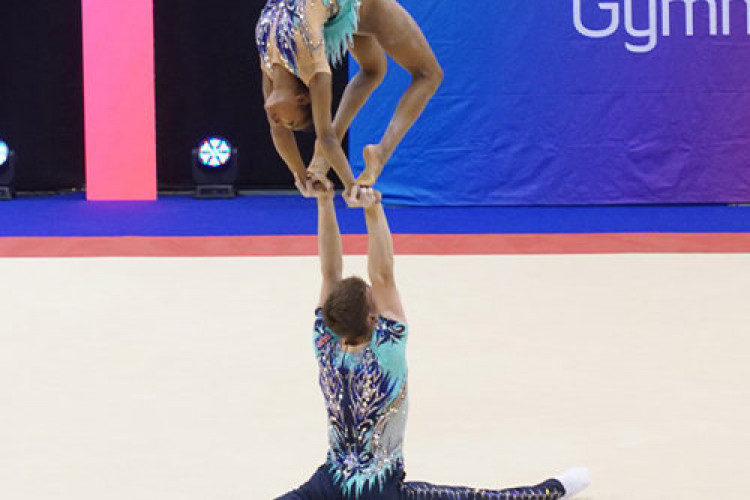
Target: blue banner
(574,102)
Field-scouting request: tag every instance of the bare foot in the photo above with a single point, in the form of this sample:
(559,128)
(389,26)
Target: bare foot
(373,165)
(318,165)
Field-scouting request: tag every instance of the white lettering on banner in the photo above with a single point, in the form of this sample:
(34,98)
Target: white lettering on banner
(649,35)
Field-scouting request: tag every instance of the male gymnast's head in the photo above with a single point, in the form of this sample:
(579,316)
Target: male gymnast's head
(349,311)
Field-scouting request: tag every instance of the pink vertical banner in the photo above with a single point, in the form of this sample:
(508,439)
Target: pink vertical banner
(119,99)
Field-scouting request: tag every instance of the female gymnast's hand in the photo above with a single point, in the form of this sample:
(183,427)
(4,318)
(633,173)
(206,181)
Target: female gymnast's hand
(315,186)
(362,196)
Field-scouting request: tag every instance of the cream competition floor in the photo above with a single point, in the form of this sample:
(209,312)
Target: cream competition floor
(193,379)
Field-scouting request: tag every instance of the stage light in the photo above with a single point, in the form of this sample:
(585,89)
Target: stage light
(215,152)
(4,153)
(7,171)
(215,168)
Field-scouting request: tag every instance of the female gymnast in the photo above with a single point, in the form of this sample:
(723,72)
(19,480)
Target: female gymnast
(298,40)
(359,340)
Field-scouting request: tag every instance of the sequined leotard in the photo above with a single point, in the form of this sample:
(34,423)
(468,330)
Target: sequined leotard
(367,402)
(366,398)
(303,36)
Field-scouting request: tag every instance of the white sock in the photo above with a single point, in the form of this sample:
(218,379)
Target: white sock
(574,480)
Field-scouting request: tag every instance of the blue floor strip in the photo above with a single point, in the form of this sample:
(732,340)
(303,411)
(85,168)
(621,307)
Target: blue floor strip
(72,215)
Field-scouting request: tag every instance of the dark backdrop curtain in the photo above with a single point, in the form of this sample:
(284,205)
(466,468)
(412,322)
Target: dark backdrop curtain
(208,81)
(41,92)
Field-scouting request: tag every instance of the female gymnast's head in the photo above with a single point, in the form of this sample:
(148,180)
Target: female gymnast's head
(349,311)
(288,104)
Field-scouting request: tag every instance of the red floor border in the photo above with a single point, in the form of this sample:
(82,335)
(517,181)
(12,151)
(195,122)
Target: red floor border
(405,244)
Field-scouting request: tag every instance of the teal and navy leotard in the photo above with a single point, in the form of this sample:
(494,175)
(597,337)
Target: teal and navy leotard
(366,396)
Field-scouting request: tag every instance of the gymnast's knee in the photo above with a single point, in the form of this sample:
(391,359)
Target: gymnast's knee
(431,76)
(371,77)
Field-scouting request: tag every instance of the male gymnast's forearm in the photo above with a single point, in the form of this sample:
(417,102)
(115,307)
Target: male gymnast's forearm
(379,246)
(329,241)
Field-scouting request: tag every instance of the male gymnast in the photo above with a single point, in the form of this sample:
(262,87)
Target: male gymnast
(360,337)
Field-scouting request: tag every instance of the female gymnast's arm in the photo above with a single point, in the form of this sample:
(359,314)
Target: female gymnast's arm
(330,146)
(284,140)
(372,69)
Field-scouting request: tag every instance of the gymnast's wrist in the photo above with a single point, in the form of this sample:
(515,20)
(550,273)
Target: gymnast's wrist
(325,200)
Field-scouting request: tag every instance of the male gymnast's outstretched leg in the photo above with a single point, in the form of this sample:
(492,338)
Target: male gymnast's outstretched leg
(564,486)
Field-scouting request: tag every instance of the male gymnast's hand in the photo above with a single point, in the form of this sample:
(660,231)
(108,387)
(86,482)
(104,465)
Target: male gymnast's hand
(316,185)
(362,196)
